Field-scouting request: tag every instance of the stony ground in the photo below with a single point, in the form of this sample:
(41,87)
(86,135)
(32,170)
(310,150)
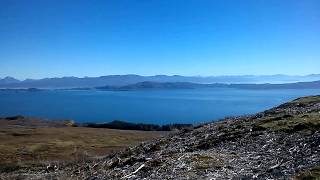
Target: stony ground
(280,143)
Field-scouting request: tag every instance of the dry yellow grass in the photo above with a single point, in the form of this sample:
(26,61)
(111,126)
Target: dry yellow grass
(25,146)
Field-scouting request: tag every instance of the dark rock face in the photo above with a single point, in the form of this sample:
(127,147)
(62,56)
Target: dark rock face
(276,144)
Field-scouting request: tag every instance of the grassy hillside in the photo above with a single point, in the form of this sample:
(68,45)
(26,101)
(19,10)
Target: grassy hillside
(45,142)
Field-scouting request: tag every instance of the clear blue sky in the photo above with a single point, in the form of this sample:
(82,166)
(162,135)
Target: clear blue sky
(47,38)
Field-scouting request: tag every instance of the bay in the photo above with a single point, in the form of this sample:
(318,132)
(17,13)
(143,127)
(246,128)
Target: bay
(144,106)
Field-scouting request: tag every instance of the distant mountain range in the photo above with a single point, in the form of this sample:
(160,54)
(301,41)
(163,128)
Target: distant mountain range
(125,80)
(187,85)
(8,80)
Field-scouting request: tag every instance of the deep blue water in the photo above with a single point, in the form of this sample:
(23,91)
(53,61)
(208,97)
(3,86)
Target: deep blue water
(152,106)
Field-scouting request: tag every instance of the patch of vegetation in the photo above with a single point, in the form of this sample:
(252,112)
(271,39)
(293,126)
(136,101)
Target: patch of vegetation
(308,122)
(306,100)
(203,162)
(141,127)
(312,174)
(22,147)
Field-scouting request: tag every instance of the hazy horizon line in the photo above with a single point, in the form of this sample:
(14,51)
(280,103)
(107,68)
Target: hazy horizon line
(204,76)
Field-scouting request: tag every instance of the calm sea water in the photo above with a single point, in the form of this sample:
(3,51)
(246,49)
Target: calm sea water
(152,106)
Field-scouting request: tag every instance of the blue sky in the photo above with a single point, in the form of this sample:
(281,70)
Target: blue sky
(54,38)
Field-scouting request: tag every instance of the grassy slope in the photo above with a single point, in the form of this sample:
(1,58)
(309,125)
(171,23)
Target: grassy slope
(26,146)
(308,121)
